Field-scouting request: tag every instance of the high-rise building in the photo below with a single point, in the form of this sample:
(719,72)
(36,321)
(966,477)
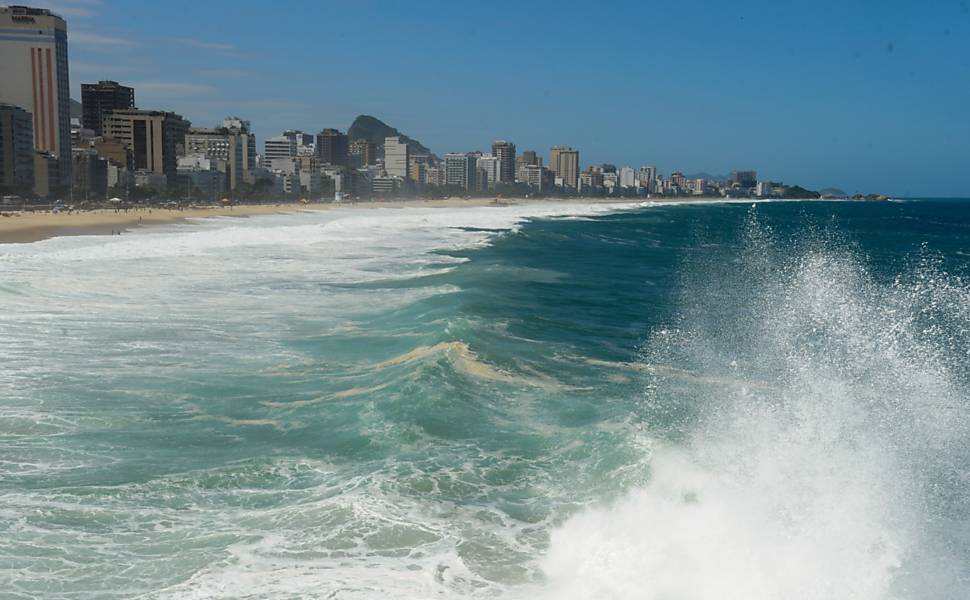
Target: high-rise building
(280,152)
(628,177)
(564,162)
(47,169)
(100,98)
(16,149)
(34,76)
(764,189)
(90,173)
(611,180)
(332,147)
(679,179)
(226,147)
(362,153)
(505,153)
(489,166)
(528,157)
(281,147)
(590,180)
(460,170)
(155,138)
(697,186)
(436,176)
(647,178)
(115,151)
(417,168)
(199,177)
(211,143)
(396,155)
(244,128)
(301,139)
(531,175)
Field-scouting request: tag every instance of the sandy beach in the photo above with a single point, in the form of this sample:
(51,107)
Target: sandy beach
(17,227)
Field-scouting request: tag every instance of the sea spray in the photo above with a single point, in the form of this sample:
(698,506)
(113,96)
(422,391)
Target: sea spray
(819,462)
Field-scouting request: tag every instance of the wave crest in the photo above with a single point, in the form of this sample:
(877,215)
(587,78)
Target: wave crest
(831,468)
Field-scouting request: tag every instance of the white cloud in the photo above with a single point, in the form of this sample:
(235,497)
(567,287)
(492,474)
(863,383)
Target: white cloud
(271,104)
(87,38)
(85,67)
(205,45)
(226,73)
(162,88)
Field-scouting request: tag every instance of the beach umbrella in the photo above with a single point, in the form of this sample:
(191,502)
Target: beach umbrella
(116,200)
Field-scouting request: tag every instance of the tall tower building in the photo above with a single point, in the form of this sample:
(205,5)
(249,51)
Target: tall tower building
(488,168)
(97,99)
(529,157)
(227,147)
(564,162)
(33,76)
(155,139)
(301,139)
(460,170)
(16,149)
(332,147)
(281,147)
(396,156)
(627,177)
(647,178)
(244,129)
(362,153)
(505,153)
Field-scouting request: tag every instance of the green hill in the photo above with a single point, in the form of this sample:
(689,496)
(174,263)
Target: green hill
(833,192)
(798,192)
(372,129)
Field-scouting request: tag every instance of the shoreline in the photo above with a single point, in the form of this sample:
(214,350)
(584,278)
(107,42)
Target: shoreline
(21,228)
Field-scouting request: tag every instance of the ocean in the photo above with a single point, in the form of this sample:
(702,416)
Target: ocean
(572,401)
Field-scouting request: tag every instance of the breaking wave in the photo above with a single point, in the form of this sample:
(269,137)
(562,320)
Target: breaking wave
(833,465)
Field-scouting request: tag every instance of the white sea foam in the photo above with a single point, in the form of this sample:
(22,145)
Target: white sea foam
(832,477)
(104,335)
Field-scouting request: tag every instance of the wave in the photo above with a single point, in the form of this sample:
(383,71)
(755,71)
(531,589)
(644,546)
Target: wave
(801,430)
(465,361)
(837,473)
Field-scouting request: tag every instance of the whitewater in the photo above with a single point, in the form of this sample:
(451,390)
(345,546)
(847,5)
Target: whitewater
(554,400)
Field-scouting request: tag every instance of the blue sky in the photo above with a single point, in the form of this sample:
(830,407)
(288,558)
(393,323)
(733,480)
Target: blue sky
(866,96)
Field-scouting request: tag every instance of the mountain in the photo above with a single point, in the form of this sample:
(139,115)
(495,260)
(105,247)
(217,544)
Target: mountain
(799,193)
(75,109)
(372,129)
(833,193)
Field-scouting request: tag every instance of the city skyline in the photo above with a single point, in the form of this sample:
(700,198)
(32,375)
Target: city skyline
(868,103)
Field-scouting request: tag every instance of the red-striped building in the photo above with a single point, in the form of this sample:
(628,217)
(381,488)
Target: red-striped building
(34,76)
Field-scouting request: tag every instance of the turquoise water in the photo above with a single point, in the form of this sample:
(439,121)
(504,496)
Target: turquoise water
(571,401)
